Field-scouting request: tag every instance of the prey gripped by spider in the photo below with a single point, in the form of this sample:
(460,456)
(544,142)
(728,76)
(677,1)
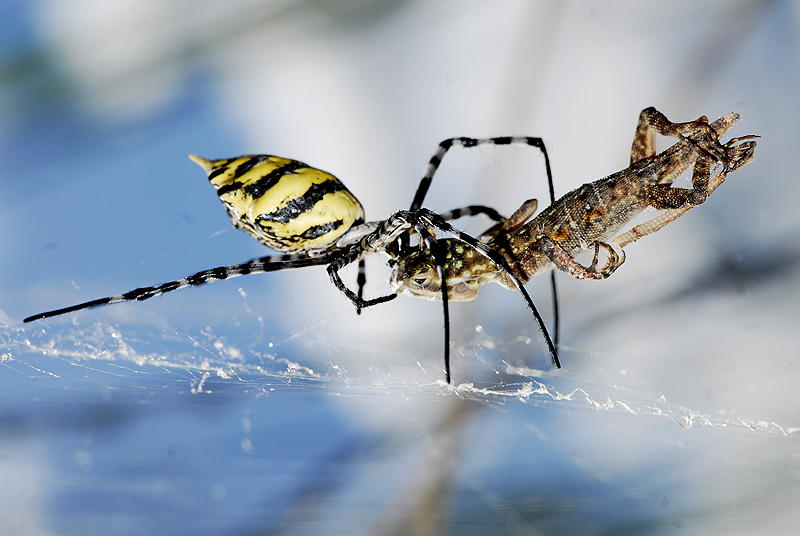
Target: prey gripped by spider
(311,216)
(588,217)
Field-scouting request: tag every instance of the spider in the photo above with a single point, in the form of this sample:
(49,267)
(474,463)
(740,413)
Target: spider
(310,216)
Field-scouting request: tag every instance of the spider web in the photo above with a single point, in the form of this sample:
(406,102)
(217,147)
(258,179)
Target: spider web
(151,371)
(111,356)
(254,402)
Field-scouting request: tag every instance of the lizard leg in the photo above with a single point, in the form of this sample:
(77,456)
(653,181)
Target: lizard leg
(566,263)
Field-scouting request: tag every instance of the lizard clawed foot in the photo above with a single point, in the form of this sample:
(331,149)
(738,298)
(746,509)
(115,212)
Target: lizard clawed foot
(740,152)
(613,262)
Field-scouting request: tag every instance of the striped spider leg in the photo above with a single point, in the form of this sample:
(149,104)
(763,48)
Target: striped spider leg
(255,266)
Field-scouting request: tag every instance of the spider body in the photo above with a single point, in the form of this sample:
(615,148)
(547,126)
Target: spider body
(284,204)
(314,219)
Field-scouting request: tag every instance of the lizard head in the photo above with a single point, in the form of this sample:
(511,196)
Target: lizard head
(466,270)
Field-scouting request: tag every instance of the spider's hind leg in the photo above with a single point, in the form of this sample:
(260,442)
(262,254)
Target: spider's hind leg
(255,266)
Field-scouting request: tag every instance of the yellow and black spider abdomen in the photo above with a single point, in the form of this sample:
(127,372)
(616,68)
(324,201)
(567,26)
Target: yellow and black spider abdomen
(283,203)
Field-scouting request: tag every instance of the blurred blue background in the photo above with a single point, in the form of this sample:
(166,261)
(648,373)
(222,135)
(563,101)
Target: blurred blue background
(265,405)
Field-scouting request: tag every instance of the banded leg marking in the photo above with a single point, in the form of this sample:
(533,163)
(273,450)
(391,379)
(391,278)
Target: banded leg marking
(255,266)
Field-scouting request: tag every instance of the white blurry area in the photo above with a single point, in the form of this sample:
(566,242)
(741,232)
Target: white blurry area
(699,324)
